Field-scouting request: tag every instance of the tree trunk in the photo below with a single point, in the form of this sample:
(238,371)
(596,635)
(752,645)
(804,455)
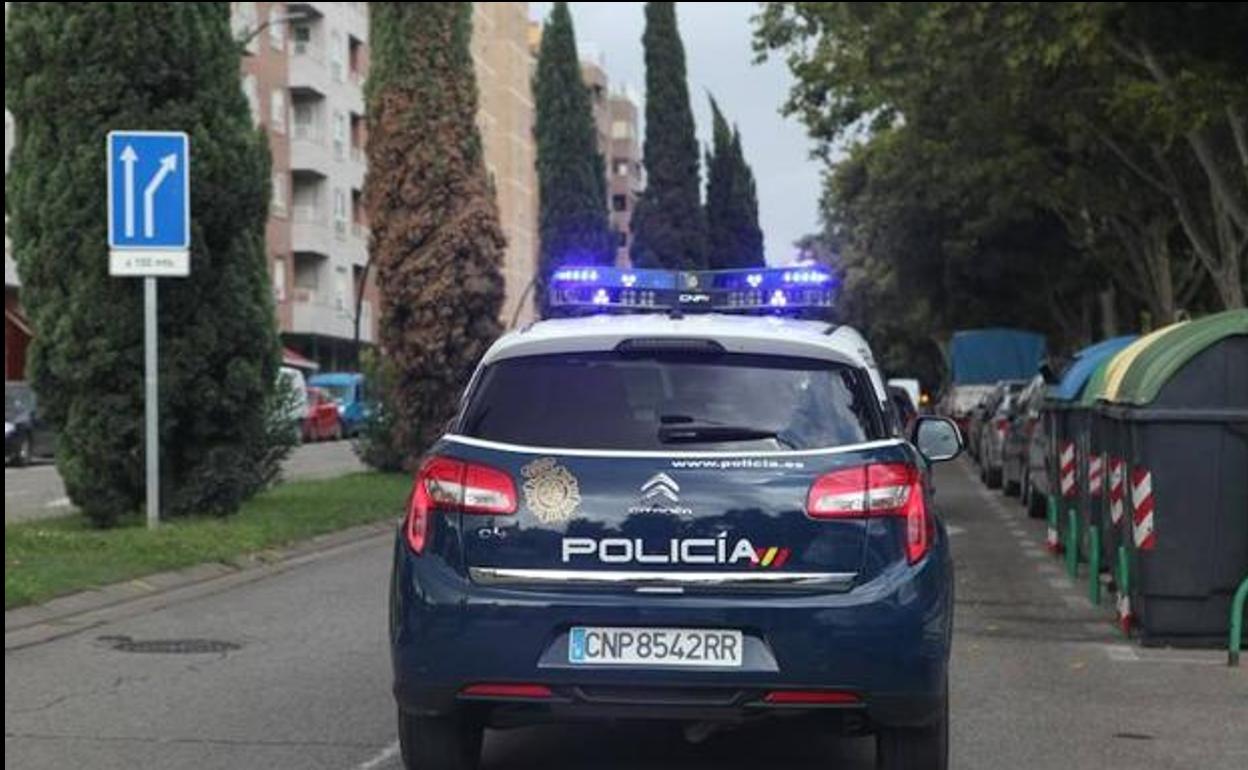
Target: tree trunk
(1109,312)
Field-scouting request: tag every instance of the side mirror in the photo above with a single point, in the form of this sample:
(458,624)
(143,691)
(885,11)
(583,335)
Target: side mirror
(938,438)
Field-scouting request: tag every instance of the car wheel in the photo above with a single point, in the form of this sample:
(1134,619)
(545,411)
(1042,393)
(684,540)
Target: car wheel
(439,743)
(993,478)
(1037,505)
(1012,488)
(915,748)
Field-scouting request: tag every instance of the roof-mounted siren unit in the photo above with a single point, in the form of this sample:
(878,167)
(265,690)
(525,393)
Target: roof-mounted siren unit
(795,291)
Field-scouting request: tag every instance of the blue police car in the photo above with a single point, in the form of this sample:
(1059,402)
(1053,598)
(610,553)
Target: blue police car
(649,511)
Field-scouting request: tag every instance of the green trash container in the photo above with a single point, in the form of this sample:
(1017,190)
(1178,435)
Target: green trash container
(1180,408)
(1077,459)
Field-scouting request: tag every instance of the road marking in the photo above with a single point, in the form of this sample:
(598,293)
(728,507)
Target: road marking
(380,758)
(1075,602)
(1031,552)
(1119,653)
(954,529)
(1061,583)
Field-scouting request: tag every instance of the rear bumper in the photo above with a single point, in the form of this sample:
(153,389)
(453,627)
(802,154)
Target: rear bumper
(885,641)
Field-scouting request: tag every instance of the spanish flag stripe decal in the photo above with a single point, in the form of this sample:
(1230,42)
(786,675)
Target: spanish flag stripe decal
(781,558)
(771,554)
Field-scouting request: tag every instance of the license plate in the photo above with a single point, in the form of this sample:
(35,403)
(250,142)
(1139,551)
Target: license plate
(591,645)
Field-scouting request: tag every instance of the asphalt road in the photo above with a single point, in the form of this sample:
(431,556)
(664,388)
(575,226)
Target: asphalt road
(36,491)
(1039,680)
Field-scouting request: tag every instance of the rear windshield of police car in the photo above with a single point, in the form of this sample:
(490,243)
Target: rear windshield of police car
(672,402)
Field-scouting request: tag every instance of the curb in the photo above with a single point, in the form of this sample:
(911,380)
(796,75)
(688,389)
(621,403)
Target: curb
(68,615)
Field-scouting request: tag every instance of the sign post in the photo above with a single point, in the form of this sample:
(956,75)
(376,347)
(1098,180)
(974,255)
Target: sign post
(149,235)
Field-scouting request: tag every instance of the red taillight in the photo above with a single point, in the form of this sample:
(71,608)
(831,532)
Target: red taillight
(810,697)
(445,484)
(885,489)
(506,690)
(1002,426)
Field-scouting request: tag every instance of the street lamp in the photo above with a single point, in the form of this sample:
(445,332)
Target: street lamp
(289,18)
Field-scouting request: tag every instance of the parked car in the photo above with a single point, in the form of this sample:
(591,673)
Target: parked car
(913,389)
(346,390)
(905,411)
(993,426)
(975,420)
(960,401)
(1037,483)
(26,434)
(1024,419)
(321,422)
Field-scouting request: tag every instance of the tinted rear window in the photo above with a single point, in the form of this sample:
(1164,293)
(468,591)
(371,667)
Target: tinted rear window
(613,401)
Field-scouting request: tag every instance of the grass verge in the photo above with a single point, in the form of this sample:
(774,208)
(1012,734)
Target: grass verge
(45,559)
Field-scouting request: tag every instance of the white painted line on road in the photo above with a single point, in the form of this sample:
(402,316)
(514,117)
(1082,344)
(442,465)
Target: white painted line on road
(1032,552)
(1049,568)
(1061,583)
(1119,653)
(60,502)
(380,758)
(954,529)
(1076,602)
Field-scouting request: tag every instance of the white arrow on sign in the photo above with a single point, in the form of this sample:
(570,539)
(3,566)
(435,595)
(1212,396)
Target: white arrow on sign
(168,165)
(128,158)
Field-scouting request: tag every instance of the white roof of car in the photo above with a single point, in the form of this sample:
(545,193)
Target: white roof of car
(766,335)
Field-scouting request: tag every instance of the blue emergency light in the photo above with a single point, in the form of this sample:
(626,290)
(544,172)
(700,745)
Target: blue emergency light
(762,290)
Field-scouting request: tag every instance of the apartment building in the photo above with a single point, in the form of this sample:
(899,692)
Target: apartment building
(302,72)
(504,66)
(625,174)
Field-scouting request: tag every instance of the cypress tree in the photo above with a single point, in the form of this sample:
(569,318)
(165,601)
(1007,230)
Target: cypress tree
(733,234)
(669,226)
(73,71)
(436,238)
(572,220)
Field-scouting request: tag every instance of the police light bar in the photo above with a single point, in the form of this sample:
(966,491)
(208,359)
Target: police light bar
(763,290)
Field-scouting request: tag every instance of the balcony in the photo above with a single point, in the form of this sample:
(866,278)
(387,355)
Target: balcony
(314,313)
(309,231)
(309,154)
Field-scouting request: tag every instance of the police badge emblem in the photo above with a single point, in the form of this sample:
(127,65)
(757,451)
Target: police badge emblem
(551,492)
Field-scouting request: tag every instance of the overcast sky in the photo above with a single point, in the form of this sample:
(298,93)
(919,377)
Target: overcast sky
(718,53)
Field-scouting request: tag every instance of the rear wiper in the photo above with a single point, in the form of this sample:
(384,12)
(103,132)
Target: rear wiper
(692,434)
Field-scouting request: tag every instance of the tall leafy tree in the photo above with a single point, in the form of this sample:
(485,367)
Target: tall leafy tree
(436,239)
(572,188)
(733,235)
(73,71)
(669,226)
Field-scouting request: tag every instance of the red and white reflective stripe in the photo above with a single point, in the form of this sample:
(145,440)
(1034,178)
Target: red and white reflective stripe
(1096,475)
(1050,539)
(1067,464)
(1142,501)
(1124,613)
(1117,476)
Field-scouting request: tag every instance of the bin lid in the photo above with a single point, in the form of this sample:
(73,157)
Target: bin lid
(1095,389)
(1156,364)
(1086,362)
(1119,364)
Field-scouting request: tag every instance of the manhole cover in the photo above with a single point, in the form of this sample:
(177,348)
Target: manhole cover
(170,646)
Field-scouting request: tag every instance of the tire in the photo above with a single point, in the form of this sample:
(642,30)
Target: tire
(1012,488)
(25,451)
(1036,505)
(993,478)
(915,748)
(439,743)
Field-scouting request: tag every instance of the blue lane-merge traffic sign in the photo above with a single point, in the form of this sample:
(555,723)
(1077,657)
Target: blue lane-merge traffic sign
(149,190)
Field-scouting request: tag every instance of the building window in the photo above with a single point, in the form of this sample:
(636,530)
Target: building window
(359,136)
(359,217)
(279,279)
(277,32)
(621,129)
(619,203)
(621,238)
(355,59)
(302,35)
(621,167)
(277,111)
(307,272)
(245,19)
(340,211)
(251,90)
(340,135)
(336,56)
(279,194)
